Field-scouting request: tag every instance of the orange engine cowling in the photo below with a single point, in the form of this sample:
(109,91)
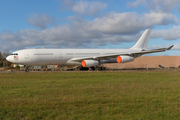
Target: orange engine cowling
(123,59)
(89,63)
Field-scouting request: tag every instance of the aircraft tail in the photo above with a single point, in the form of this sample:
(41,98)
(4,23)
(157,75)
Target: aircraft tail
(143,40)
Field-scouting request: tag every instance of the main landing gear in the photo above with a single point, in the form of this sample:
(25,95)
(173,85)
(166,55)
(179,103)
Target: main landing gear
(100,68)
(93,68)
(26,69)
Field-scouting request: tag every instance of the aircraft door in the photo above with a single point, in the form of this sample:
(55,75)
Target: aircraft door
(26,55)
(60,54)
(103,52)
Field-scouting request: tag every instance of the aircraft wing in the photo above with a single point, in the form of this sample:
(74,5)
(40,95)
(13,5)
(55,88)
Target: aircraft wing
(153,51)
(133,54)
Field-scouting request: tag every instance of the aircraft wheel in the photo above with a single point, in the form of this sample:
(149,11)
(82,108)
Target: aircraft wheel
(99,68)
(26,70)
(93,68)
(103,68)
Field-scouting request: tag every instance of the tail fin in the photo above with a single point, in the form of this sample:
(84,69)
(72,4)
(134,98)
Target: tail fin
(143,40)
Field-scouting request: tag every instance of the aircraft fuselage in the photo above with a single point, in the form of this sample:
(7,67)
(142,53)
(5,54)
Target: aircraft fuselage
(59,56)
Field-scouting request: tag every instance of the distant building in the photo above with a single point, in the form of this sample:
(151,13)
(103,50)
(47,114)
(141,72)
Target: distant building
(22,66)
(148,62)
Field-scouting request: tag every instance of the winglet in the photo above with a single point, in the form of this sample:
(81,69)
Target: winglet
(169,47)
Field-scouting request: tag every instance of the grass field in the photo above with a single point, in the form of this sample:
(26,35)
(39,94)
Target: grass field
(90,95)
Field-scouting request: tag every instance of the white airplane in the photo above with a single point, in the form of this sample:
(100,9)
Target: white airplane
(84,57)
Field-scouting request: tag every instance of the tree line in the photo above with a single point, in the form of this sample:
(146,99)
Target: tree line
(3,61)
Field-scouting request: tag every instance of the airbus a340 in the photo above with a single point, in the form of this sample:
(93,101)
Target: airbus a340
(84,57)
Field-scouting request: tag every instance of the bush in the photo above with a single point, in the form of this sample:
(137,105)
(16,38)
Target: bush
(17,67)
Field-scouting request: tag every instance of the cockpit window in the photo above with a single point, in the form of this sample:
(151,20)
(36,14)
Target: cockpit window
(14,54)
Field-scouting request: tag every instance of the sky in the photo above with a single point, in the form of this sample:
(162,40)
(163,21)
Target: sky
(103,24)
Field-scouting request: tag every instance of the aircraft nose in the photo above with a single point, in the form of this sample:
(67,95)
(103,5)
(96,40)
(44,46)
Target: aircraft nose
(9,58)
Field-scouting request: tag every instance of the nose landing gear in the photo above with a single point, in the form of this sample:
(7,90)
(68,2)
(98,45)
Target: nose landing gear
(26,69)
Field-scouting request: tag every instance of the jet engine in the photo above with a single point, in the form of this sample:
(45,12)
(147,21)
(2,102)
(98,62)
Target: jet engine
(89,63)
(119,59)
(123,59)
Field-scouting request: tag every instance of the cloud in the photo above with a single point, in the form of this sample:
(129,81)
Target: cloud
(171,34)
(85,7)
(130,22)
(41,21)
(113,28)
(12,41)
(158,46)
(136,3)
(176,46)
(156,5)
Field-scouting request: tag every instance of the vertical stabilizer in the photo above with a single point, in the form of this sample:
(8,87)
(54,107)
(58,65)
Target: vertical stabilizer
(143,40)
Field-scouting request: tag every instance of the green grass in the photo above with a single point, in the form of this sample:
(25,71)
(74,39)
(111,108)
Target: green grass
(90,95)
